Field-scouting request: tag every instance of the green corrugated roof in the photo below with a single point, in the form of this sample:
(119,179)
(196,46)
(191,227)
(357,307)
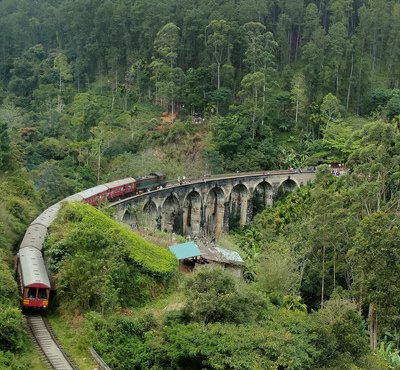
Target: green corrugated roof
(185,250)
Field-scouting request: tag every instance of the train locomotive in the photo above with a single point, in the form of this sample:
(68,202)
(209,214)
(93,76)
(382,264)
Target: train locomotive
(33,276)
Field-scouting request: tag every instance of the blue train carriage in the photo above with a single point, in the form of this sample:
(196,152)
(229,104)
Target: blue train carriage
(34,280)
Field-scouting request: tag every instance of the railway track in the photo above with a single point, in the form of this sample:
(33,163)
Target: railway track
(44,338)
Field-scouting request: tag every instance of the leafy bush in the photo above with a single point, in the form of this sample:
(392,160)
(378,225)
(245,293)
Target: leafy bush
(9,361)
(8,286)
(215,295)
(121,341)
(229,346)
(11,329)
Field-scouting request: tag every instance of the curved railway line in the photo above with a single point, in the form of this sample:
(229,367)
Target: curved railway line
(52,355)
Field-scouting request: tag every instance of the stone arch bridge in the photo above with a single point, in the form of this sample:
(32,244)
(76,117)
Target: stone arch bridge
(210,206)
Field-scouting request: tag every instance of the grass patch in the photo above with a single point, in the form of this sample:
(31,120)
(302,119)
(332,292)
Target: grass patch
(32,357)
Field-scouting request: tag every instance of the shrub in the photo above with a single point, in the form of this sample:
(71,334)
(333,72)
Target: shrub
(11,329)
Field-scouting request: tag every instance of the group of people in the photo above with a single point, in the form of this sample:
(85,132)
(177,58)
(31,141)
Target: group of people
(337,169)
(182,180)
(297,170)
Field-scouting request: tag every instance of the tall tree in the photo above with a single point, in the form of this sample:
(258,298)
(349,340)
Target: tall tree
(64,75)
(219,42)
(313,55)
(254,35)
(166,47)
(338,45)
(252,89)
(260,61)
(102,137)
(393,52)
(298,94)
(4,146)
(288,33)
(166,44)
(376,259)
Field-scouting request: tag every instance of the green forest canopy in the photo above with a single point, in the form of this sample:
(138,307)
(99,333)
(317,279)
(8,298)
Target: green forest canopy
(281,84)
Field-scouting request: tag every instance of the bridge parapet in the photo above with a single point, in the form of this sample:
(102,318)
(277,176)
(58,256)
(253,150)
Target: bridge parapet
(210,205)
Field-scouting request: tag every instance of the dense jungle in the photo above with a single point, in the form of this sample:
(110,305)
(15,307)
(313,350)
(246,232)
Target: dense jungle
(92,91)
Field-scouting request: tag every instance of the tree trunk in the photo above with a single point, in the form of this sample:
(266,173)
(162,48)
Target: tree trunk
(254,113)
(98,169)
(99,164)
(115,90)
(350,78)
(334,268)
(337,80)
(373,326)
(297,46)
(218,75)
(323,277)
(126,100)
(112,99)
(263,98)
(59,94)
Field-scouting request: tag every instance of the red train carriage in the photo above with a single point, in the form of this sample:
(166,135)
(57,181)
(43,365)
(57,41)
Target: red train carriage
(94,195)
(35,283)
(120,188)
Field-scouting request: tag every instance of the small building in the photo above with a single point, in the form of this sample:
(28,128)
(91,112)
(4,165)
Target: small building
(187,254)
(229,260)
(191,254)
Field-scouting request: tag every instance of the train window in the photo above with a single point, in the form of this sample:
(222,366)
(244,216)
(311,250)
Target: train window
(42,294)
(31,293)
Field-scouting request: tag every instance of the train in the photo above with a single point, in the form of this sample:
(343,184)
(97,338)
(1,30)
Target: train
(33,275)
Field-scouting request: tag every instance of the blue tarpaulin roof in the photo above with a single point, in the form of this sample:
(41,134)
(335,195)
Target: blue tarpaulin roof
(185,250)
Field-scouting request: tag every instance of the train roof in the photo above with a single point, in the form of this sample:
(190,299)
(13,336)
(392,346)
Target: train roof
(34,236)
(121,182)
(73,198)
(88,193)
(33,269)
(47,217)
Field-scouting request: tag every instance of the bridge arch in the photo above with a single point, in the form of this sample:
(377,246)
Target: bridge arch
(192,207)
(171,215)
(262,196)
(238,206)
(286,186)
(215,211)
(129,217)
(150,215)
